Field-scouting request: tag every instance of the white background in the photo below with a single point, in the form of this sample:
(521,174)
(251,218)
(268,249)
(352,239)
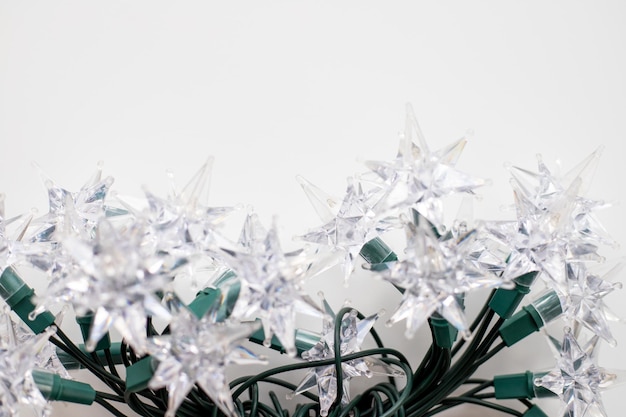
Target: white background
(275,89)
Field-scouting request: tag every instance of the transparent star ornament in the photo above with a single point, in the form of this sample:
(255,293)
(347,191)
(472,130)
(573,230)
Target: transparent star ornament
(555,222)
(419,178)
(349,224)
(19,395)
(12,232)
(116,280)
(271,282)
(352,335)
(577,379)
(583,299)
(182,223)
(197,352)
(434,276)
(69,214)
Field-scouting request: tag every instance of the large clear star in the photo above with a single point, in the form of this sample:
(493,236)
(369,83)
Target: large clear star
(17,388)
(271,283)
(183,222)
(577,379)
(116,278)
(353,333)
(555,223)
(419,178)
(583,299)
(435,274)
(351,226)
(197,351)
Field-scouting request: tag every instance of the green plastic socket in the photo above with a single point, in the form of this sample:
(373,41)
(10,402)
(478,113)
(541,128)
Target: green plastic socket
(522,385)
(55,388)
(19,296)
(531,318)
(377,252)
(139,374)
(534,411)
(505,302)
(85,323)
(444,333)
(207,298)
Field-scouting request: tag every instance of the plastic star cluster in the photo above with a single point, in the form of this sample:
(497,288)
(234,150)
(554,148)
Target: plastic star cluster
(119,261)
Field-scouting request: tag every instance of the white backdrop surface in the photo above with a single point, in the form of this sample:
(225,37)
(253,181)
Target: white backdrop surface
(276,89)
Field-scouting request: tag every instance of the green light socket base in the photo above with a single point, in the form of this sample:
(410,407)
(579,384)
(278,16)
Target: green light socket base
(18,295)
(524,322)
(505,302)
(377,252)
(513,386)
(444,333)
(139,374)
(85,323)
(55,388)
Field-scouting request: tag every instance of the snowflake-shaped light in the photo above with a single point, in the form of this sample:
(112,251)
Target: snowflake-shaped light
(419,177)
(353,332)
(117,279)
(436,273)
(351,226)
(17,387)
(577,379)
(197,352)
(271,283)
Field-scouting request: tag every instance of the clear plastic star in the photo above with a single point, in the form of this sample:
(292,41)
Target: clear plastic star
(11,248)
(18,391)
(350,226)
(70,214)
(419,177)
(577,379)
(555,223)
(583,302)
(116,278)
(353,333)
(182,223)
(271,283)
(197,351)
(16,333)
(437,271)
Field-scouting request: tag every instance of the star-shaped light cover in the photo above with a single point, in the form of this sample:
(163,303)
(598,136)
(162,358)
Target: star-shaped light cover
(197,351)
(555,222)
(419,178)
(271,283)
(18,391)
(11,233)
(577,379)
(353,333)
(583,295)
(434,275)
(182,223)
(349,225)
(70,214)
(116,277)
